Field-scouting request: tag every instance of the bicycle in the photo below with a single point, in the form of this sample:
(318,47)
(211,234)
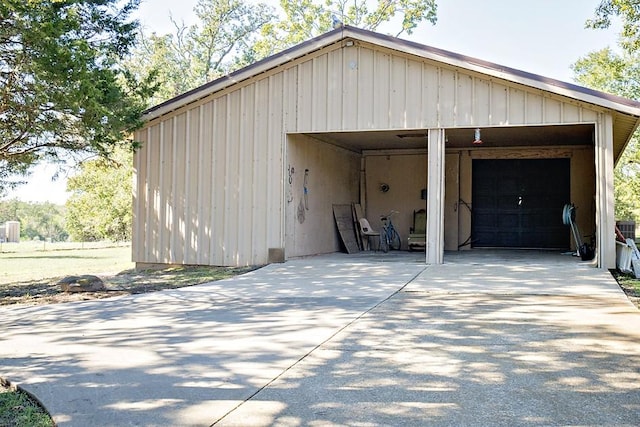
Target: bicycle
(389,237)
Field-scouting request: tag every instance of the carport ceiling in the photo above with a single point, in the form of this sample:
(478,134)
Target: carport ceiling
(462,137)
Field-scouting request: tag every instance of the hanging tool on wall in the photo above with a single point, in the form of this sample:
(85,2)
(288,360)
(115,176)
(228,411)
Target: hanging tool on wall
(290,171)
(303,206)
(306,189)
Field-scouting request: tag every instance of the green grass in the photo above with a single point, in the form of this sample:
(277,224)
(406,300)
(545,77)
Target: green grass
(17,409)
(28,262)
(628,281)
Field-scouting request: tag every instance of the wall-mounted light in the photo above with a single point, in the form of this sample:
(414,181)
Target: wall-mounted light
(477,140)
(348,43)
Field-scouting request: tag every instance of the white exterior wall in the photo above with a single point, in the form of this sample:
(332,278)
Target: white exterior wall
(211,175)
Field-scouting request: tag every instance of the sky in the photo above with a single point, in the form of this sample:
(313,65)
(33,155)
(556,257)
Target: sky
(539,36)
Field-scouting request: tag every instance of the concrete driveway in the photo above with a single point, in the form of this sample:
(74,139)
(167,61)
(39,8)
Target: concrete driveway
(489,338)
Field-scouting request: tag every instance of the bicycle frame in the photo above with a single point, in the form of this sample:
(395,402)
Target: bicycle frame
(390,238)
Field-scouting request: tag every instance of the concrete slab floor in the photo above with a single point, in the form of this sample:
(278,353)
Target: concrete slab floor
(488,338)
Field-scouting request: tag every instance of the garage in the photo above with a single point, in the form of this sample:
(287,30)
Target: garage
(518,203)
(245,169)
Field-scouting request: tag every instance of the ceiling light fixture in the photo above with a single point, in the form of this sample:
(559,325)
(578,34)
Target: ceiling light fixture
(477,140)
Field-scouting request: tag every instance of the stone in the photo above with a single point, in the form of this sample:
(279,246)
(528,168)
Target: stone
(84,283)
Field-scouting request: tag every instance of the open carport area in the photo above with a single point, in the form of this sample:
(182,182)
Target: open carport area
(487,338)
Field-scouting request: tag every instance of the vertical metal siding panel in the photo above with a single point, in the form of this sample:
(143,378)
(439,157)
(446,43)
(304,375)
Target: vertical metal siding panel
(179,164)
(398,96)
(464,101)
(499,104)
(334,95)
(305,96)
(246,146)
(350,89)
(205,184)
(381,96)
(447,97)
(262,107)
(140,200)
(275,166)
(164,146)
(186,170)
(517,107)
(319,90)
(589,115)
(367,87)
(414,94)
(195,158)
(534,108)
(219,183)
(570,113)
(153,224)
(290,95)
(232,179)
(170,171)
(482,103)
(552,110)
(430,91)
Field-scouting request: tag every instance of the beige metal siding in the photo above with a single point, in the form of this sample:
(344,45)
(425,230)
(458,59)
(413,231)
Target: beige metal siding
(210,175)
(209,181)
(359,88)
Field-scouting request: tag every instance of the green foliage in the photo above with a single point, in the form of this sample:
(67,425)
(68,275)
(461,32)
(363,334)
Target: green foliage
(231,34)
(196,54)
(629,12)
(61,89)
(618,74)
(304,19)
(38,221)
(100,203)
(18,409)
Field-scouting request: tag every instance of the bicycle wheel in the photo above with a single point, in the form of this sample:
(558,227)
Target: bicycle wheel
(384,243)
(395,241)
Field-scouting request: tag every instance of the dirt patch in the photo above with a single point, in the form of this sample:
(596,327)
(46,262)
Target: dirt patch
(129,282)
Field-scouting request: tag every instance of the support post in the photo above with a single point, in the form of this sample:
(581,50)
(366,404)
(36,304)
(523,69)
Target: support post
(435,197)
(605,215)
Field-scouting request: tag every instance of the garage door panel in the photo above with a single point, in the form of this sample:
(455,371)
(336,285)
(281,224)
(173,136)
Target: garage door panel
(518,203)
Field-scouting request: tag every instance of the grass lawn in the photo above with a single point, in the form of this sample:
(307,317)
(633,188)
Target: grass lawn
(28,261)
(630,285)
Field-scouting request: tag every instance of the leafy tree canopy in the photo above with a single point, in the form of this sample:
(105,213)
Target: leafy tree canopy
(62,91)
(619,74)
(204,51)
(38,221)
(231,34)
(629,13)
(99,207)
(304,19)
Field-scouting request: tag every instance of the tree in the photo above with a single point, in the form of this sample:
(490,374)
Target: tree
(201,52)
(628,11)
(304,19)
(38,221)
(62,92)
(618,74)
(232,34)
(100,203)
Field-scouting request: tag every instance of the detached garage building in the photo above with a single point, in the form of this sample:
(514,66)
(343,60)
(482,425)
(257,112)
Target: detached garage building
(246,169)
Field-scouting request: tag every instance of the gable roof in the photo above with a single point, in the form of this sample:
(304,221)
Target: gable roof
(627,107)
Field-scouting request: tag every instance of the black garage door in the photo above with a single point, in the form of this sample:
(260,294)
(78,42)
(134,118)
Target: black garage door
(518,203)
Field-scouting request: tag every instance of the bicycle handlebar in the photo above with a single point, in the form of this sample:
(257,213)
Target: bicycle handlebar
(383,217)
